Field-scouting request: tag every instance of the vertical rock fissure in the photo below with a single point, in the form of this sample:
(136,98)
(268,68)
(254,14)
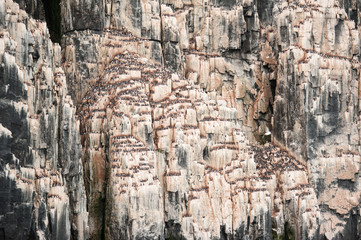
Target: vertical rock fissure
(161,33)
(106,182)
(163,64)
(53,19)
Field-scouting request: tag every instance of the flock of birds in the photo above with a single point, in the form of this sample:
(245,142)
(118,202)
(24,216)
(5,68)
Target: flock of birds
(125,96)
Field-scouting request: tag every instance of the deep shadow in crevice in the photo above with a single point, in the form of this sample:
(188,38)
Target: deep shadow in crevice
(273,85)
(33,7)
(53,18)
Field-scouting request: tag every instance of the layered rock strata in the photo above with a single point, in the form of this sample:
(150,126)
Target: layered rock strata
(289,67)
(160,153)
(41,177)
(214,45)
(172,99)
(317,105)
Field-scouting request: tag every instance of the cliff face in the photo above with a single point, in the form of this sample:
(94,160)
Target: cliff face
(152,119)
(41,177)
(317,104)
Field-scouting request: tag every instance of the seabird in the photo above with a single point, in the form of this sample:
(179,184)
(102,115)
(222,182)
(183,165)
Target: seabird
(267,133)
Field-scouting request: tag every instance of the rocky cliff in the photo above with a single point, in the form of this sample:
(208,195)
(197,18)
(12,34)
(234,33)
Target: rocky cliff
(41,178)
(162,119)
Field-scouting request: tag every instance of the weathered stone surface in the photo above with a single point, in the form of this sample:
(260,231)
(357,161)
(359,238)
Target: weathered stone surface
(316,107)
(160,153)
(174,103)
(42,191)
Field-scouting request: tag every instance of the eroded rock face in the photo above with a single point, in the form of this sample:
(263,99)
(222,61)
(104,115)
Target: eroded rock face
(216,44)
(42,190)
(171,102)
(316,106)
(160,153)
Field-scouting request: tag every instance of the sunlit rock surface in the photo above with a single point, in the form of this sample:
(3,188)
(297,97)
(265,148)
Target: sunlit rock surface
(161,153)
(204,119)
(41,177)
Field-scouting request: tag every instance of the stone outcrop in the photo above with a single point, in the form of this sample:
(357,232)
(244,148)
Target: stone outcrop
(317,105)
(185,119)
(215,47)
(41,177)
(161,153)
